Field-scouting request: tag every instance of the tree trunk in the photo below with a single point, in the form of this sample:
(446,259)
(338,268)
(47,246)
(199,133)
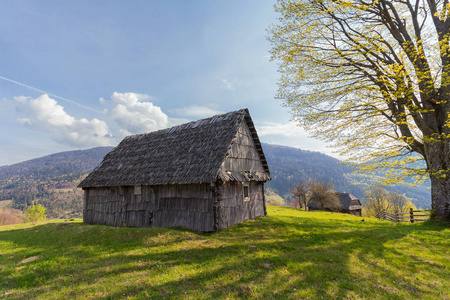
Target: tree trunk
(440,197)
(438,160)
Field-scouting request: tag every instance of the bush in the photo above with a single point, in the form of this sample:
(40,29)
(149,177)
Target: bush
(35,214)
(10,216)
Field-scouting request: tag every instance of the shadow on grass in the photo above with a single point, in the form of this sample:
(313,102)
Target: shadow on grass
(288,256)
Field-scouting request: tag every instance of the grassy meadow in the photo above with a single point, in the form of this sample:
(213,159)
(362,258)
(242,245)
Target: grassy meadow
(290,254)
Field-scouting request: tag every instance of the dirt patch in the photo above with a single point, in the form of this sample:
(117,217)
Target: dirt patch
(267,265)
(61,225)
(30,259)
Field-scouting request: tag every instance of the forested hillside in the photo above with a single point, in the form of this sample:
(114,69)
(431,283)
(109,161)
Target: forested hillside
(52,180)
(290,165)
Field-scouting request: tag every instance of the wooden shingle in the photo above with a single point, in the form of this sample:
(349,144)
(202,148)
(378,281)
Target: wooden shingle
(184,154)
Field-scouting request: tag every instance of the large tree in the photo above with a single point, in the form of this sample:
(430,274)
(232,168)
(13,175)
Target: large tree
(300,192)
(323,195)
(376,200)
(372,77)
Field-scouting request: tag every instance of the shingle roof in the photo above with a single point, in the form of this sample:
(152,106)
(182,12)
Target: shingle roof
(349,201)
(184,154)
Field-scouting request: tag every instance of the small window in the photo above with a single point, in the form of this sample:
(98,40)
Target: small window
(246,194)
(137,190)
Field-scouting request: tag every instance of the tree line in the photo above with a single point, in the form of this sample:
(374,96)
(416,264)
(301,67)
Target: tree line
(325,197)
(379,199)
(321,193)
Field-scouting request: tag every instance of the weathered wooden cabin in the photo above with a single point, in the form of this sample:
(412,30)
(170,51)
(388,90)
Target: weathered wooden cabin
(204,176)
(349,205)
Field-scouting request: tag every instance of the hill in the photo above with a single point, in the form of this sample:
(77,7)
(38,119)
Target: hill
(290,165)
(50,180)
(290,254)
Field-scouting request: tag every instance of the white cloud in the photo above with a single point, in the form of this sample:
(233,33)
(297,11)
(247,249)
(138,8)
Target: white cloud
(290,129)
(134,113)
(292,135)
(46,115)
(228,85)
(122,134)
(196,111)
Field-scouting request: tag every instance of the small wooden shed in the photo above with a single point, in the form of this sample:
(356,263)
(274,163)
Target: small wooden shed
(349,205)
(204,175)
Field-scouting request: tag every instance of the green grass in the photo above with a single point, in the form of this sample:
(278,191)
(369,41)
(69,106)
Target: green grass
(273,198)
(290,254)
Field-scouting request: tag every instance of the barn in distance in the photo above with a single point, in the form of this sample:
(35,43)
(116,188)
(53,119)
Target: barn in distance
(349,204)
(204,175)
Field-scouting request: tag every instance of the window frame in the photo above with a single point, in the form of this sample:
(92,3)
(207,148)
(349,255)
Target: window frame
(138,189)
(246,191)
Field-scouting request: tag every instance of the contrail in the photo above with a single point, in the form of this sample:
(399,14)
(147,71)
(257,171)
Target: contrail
(53,95)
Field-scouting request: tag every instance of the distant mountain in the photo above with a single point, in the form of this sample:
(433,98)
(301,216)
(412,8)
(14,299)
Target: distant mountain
(51,180)
(58,164)
(290,165)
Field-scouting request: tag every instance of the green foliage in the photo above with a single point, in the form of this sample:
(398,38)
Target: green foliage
(419,194)
(409,205)
(356,90)
(373,78)
(379,199)
(376,200)
(291,165)
(290,254)
(35,214)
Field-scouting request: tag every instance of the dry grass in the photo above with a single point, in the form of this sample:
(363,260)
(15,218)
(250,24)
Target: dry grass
(10,217)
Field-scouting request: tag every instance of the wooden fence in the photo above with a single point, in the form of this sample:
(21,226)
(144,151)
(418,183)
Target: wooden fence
(410,217)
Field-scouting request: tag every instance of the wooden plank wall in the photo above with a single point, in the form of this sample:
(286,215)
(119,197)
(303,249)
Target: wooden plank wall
(187,206)
(104,206)
(234,209)
(139,208)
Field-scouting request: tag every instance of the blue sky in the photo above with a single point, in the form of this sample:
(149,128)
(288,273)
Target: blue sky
(88,73)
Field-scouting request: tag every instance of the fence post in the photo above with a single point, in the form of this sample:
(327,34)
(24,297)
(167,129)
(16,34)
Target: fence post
(411,215)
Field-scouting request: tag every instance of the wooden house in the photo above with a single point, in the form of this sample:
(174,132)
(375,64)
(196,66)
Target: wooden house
(349,204)
(204,175)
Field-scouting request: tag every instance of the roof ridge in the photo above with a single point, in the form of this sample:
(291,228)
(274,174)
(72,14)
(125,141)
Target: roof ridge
(185,125)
